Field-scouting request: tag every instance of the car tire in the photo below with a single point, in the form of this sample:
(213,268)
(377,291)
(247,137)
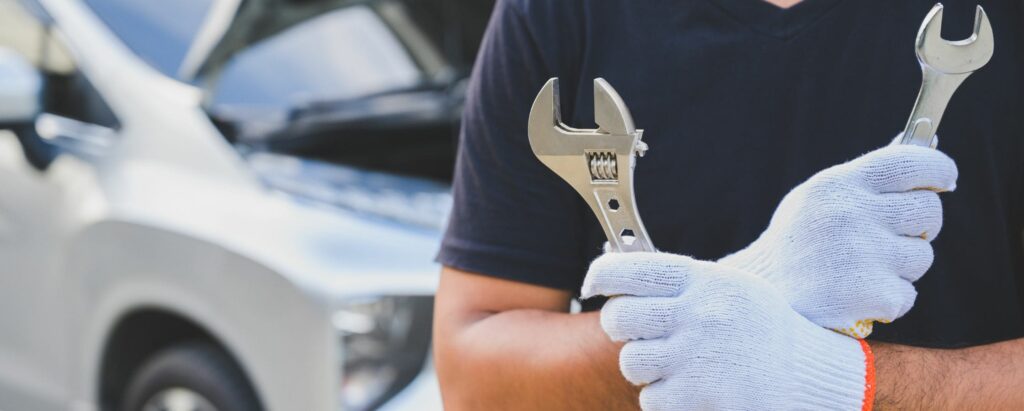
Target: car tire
(196,371)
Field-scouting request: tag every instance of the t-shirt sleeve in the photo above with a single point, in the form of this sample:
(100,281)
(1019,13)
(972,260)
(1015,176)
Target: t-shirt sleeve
(512,217)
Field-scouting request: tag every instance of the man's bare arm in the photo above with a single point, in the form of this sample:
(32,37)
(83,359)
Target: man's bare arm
(501,344)
(987,377)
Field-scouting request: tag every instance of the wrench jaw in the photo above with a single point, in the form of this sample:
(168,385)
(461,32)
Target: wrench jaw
(610,112)
(954,57)
(597,163)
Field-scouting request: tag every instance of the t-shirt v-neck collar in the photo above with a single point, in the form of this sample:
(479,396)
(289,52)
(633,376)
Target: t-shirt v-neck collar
(769,19)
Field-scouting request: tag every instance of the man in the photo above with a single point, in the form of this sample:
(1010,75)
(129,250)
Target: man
(741,102)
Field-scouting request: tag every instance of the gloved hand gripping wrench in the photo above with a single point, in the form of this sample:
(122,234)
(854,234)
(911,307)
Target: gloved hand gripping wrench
(598,163)
(944,65)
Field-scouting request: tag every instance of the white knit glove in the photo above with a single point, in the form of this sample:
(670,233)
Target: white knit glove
(706,336)
(845,246)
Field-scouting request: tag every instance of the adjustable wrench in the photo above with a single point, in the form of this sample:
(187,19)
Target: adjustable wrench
(598,163)
(944,65)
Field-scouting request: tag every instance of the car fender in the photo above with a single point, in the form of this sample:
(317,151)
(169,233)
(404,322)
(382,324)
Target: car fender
(280,336)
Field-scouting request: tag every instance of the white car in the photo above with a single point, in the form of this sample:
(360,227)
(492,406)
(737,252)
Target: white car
(166,244)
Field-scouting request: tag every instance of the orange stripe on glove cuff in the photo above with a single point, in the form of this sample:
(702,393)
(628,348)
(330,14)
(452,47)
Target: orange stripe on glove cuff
(869,376)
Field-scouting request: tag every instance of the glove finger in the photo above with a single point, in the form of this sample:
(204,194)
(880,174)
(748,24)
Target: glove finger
(914,213)
(628,318)
(896,298)
(908,294)
(645,361)
(912,258)
(659,397)
(638,273)
(891,301)
(906,167)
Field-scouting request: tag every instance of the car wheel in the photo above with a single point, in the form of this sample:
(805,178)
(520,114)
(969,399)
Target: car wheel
(189,377)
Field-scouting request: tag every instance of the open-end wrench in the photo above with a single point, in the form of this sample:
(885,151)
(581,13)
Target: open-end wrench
(598,163)
(944,65)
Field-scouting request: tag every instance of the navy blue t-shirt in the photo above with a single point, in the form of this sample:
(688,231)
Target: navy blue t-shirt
(740,101)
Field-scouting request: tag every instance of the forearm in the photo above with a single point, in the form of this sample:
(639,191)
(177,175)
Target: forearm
(535,360)
(985,377)
(502,344)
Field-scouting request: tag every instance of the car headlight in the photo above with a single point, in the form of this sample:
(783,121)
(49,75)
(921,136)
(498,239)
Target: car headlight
(384,342)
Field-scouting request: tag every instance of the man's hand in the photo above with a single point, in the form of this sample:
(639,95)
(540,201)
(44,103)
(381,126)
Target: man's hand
(845,246)
(702,335)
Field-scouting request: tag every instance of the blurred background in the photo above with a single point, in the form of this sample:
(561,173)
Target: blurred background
(225,204)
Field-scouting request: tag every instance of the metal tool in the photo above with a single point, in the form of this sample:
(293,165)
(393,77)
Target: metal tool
(598,163)
(944,65)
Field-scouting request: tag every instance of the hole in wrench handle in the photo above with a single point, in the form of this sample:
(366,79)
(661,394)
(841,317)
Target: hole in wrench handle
(622,225)
(921,133)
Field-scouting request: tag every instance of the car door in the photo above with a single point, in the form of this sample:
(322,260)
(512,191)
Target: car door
(40,167)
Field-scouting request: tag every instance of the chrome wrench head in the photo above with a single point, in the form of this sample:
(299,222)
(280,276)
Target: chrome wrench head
(598,163)
(954,57)
(944,65)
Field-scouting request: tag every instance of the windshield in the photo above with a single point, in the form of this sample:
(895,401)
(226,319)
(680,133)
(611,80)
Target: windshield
(159,31)
(342,54)
(345,69)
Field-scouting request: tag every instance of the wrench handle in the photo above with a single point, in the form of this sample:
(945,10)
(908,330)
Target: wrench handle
(615,210)
(936,90)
